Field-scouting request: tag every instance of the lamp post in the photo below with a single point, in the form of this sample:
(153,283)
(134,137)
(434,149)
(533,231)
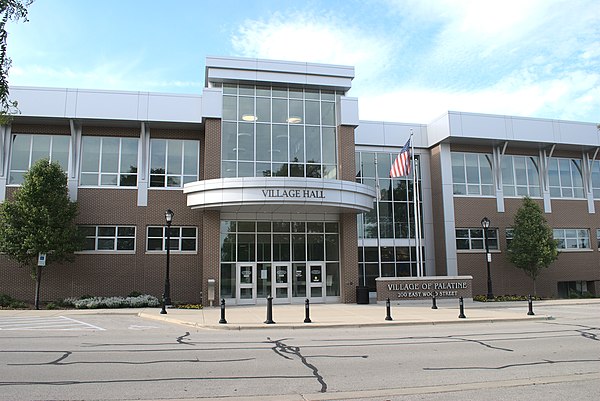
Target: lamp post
(485,223)
(167,293)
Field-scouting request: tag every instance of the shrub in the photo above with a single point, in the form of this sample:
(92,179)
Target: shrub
(6,301)
(112,302)
(504,298)
(189,306)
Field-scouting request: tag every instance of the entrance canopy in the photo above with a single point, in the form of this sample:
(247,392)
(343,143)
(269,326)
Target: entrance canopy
(280,195)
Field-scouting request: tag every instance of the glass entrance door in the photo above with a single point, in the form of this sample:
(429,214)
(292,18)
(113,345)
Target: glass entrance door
(308,281)
(246,289)
(282,286)
(316,285)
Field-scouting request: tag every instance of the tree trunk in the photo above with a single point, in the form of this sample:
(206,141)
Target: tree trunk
(534,289)
(38,281)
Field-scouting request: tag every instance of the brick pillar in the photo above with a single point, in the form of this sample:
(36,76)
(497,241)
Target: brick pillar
(211,219)
(348,257)
(348,232)
(211,151)
(211,254)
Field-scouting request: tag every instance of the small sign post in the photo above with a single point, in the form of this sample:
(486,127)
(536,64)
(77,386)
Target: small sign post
(42,259)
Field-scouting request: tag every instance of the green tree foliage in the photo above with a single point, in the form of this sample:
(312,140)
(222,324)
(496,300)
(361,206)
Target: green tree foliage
(533,246)
(40,219)
(9,10)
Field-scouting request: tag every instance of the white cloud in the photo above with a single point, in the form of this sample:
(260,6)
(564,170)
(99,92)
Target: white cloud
(107,76)
(311,37)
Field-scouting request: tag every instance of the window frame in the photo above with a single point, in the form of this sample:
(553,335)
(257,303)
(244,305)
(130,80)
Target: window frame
(98,237)
(492,237)
(578,163)
(120,173)
(183,176)
(179,239)
(533,190)
(561,241)
(30,160)
(465,170)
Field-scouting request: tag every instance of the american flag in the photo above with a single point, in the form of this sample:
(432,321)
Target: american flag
(401,166)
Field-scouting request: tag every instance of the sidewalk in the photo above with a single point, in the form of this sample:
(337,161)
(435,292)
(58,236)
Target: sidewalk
(341,315)
(330,315)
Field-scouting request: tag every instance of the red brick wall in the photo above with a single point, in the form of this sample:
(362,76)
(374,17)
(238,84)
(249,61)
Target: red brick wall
(118,274)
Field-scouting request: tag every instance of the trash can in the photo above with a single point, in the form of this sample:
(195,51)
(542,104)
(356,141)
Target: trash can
(362,295)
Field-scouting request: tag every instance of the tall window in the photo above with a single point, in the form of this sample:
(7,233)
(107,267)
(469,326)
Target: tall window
(27,149)
(596,179)
(566,178)
(396,261)
(472,174)
(173,162)
(108,238)
(182,239)
(572,238)
(472,238)
(521,176)
(109,161)
(395,200)
(271,131)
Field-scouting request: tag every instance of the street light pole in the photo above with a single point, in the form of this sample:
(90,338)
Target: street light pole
(485,223)
(167,293)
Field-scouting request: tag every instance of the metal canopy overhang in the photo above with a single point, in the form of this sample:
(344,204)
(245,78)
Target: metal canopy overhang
(280,195)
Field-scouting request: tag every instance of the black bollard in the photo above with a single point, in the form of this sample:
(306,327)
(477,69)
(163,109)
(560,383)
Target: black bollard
(388,310)
(530,302)
(269,310)
(307,311)
(163,310)
(461,304)
(434,304)
(223,321)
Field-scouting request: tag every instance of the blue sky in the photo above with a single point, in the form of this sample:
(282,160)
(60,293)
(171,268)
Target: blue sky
(414,59)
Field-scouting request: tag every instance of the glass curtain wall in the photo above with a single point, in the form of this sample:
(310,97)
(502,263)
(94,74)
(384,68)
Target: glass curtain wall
(278,132)
(266,242)
(393,219)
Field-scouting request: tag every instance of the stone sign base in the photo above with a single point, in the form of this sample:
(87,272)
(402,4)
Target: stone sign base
(421,288)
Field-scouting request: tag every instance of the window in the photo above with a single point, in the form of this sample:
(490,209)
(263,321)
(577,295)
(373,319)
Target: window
(598,238)
(566,178)
(572,238)
(27,149)
(472,174)
(399,261)
(520,176)
(472,239)
(509,236)
(183,239)
(596,179)
(109,161)
(108,238)
(173,162)
(396,217)
(278,132)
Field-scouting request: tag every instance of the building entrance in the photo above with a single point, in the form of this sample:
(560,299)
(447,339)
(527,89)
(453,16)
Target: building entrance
(285,282)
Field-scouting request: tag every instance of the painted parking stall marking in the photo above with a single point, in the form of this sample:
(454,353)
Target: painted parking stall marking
(45,323)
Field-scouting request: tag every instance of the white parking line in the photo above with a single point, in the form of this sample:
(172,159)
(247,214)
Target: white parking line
(41,323)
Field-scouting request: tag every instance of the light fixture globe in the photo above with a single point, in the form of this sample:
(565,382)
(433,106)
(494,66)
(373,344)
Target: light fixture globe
(485,223)
(169,216)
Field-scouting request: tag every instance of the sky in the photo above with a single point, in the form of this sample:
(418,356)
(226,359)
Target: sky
(414,59)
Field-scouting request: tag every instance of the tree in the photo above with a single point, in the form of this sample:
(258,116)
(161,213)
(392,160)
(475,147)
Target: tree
(532,247)
(40,220)
(10,10)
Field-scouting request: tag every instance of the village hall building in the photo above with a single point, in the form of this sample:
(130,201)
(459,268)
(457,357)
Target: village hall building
(278,189)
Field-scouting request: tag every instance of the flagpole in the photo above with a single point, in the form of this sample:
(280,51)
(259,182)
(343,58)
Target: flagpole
(415,207)
(378,226)
(420,228)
